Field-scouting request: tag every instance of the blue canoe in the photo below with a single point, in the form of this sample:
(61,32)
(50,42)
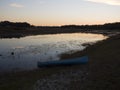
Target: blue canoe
(75,61)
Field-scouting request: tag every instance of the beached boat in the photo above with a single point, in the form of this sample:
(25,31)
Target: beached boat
(75,61)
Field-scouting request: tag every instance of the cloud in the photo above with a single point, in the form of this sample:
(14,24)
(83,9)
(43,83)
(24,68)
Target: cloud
(41,2)
(109,2)
(16,5)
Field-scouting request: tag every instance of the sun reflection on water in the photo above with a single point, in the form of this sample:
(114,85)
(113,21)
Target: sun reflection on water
(29,50)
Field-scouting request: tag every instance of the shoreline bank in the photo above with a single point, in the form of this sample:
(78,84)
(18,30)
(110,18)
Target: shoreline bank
(104,69)
(23,32)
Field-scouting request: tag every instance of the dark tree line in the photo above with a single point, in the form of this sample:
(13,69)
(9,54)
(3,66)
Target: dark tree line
(14,24)
(108,26)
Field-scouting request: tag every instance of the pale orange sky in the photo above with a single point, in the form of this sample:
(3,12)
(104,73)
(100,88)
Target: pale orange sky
(60,12)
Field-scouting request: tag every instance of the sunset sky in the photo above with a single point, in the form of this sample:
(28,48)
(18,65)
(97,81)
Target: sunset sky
(60,12)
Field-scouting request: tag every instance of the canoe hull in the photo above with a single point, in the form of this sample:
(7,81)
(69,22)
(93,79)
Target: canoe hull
(81,60)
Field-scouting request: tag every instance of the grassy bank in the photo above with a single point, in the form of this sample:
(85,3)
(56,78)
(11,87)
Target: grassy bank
(103,69)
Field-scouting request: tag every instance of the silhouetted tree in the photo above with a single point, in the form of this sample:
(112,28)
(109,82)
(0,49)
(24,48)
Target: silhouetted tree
(108,26)
(16,24)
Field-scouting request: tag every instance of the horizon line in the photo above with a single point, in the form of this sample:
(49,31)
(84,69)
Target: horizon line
(58,25)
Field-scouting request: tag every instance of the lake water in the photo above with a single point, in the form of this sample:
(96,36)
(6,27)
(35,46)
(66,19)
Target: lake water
(24,53)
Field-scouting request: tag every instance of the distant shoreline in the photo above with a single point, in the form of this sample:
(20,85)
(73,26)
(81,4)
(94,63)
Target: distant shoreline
(22,29)
(23,32)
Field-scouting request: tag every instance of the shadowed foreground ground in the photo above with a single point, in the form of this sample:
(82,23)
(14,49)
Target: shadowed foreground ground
(101,73)
(104,65)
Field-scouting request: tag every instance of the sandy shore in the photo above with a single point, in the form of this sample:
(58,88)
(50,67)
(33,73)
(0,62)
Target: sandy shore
(104,69)
(63,80)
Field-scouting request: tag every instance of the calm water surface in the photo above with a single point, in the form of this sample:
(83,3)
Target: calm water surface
(31,49)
